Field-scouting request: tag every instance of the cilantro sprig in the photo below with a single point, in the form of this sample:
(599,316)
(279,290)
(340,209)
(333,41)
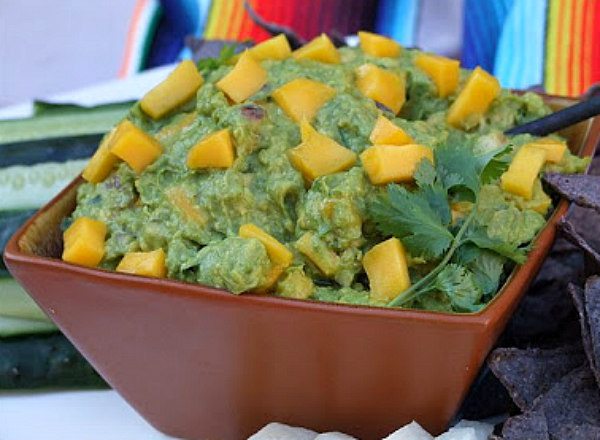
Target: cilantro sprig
(422,219)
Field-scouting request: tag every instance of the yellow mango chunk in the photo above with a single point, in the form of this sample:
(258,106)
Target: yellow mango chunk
(135,147)
(386,132)
(276,48)
(319,155)
(474,99)
(270,280)
(149,264)
(278,253)
(180,86)
(378,45)
(391,163)
(213,151)
(102,162)
(179,198)
(381,85)
(523,171)
(313,248)
(555,148)
(83,242)
(387,269)
(302,98)
(443,71)
(245,79)
(318,49)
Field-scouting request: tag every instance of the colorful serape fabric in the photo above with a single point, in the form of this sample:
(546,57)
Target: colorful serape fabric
(554,43)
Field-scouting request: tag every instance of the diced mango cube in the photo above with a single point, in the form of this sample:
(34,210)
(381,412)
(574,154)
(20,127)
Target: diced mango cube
(136,148)
(474,99)
(83,242)
(385,132)
(213,151)
(180,86)
(245,79)
(318,49)
(276,48)
(555,148)
(302,98)
(381,85)
(179,198)
(278,253)
(102,162)
(387,269)
(523,171)
(312,247)
(443,71)
(319,155)
(149,264)
(378,45)
(270,280)
(391,163)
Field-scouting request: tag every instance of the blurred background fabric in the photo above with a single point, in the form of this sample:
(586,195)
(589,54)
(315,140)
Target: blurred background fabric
(48,47)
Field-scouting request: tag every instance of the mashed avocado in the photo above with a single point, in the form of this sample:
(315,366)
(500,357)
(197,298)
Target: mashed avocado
(195,215)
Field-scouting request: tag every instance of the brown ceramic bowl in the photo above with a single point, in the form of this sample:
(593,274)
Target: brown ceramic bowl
(202,363)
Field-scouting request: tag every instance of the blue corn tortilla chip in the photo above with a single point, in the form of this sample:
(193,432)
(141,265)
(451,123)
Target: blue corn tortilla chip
(529,373)
(592,311)
(568,231)
(578,432)
(531,426)
(573,401)
(581,189)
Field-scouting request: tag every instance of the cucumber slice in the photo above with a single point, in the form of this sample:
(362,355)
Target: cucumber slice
(28,187)
(16,303)
(10,221)
(10,326)
(63,122)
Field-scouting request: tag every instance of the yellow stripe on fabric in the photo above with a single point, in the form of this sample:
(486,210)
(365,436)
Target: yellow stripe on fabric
(213,19)
(565,31)
(551,49)
(576,59)
(224,19)
(236,20)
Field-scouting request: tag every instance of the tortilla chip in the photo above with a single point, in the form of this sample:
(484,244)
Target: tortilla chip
(592,312)
(529,373)
(568,231)
(579,300)
(531,425)
(581,189)
(578,432)
(573,400)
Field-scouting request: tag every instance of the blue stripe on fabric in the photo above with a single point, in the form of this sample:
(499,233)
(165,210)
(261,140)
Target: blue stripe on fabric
(520,52)
(398,20)
(483,22)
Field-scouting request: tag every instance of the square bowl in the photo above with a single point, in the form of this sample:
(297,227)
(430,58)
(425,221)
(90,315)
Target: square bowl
(199,362)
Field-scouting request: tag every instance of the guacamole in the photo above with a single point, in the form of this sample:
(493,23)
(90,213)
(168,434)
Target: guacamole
(195,215)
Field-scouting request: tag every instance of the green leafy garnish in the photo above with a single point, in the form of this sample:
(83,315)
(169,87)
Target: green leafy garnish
(410,217)
(470,257)
(207,65)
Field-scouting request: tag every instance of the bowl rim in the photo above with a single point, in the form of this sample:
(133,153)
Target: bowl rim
(508,294)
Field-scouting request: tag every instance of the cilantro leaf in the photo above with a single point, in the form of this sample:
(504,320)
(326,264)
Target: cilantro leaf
(456,165)
(207,65)
(494,163)
(408,216)
(487,266)
(431,189)
(481,239)
(459,285)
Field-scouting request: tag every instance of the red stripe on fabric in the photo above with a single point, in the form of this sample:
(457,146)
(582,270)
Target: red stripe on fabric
(135,19)
(584,41)
(595,40)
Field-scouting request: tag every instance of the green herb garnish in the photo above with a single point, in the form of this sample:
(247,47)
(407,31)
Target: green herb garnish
(468,259)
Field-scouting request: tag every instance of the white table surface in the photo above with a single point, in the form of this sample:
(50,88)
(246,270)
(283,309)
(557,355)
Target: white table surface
(78,415)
